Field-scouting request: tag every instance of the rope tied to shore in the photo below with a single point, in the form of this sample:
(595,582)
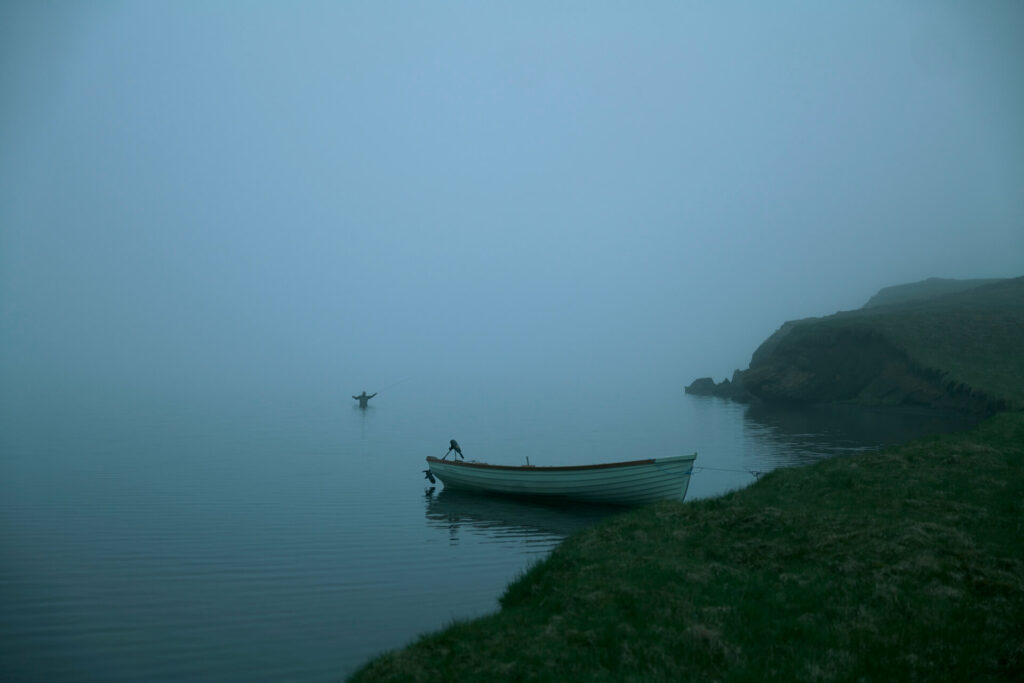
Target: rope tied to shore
(754,473)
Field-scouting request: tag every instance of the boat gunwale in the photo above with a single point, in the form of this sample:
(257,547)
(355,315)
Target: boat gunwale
(556,468)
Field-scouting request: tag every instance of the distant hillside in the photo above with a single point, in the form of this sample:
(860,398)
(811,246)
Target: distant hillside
(962,350)
(925,289)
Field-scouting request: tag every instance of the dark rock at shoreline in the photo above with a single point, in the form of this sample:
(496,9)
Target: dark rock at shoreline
(734,390)
(702,386)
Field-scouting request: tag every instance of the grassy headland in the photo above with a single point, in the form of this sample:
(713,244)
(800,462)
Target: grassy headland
(932,346)
(926,289)
(907,564)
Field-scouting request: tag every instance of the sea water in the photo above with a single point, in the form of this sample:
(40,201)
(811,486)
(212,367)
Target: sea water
(290,535)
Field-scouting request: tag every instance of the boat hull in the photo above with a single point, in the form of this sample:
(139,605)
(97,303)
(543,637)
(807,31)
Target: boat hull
(638,482)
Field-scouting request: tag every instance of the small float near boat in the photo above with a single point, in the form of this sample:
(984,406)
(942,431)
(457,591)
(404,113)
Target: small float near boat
(636,482)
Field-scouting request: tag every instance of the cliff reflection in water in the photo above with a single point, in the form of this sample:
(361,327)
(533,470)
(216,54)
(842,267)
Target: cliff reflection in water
(798,435)
(502,519)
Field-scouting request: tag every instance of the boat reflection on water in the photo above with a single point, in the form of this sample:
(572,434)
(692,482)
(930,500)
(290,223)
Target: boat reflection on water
(506,519)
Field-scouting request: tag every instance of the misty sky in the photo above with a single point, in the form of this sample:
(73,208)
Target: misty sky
(348,193)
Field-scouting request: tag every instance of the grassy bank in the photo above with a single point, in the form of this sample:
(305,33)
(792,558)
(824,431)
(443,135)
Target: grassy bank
(901,565)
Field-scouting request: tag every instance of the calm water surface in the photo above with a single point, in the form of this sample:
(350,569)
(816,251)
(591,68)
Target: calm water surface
(294,537)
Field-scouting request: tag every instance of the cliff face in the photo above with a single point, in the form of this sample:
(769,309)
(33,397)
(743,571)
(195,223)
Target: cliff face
(856,364)
(962,351)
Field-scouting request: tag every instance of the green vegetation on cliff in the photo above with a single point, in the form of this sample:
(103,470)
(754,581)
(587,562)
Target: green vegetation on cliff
(962,350)
(926,289)
(900,565)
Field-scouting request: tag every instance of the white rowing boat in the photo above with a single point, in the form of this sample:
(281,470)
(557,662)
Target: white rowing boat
(636,482)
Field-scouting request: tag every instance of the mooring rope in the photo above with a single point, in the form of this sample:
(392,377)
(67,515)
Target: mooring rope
(754,473)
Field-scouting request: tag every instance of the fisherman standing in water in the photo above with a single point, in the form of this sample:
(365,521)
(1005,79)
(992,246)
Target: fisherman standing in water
(363,399)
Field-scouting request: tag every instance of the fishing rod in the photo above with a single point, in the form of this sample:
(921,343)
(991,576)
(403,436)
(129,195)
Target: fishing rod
(364,400)
(396,383)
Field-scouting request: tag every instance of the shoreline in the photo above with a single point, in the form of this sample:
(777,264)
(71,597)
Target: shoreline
(814,568)
(870,566)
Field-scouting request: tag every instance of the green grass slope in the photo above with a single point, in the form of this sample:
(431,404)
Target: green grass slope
(963,350)
(925,289)
(901,565)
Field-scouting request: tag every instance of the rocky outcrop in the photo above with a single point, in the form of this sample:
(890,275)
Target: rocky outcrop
(733,389)
(702,386)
